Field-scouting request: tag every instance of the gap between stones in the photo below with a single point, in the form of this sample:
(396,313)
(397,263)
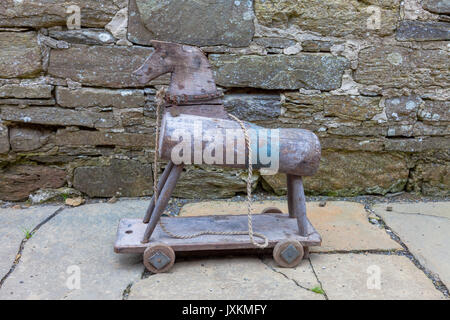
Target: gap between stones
(438,284)
(293,280)
(25,240)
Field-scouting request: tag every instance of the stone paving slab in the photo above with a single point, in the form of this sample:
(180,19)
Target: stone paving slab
(425,229)
(346,276)
(223,278)
(343,225)
(83,238)
(12,225)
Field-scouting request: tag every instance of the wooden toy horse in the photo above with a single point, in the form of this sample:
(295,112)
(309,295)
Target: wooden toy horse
(192,95)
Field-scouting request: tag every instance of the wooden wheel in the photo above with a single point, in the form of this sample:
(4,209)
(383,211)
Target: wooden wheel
(272,210)
(159,258)
(288,253)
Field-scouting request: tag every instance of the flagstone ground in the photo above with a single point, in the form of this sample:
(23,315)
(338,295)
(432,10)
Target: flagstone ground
(367,253)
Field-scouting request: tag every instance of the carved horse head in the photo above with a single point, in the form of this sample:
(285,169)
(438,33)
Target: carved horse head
(189,67)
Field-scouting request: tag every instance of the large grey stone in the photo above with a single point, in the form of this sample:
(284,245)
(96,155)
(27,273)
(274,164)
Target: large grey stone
(263,108)
(401,67)
(47,13)
(25,90)
(330,18)
(424,228)
(437,6)
(92,97)
(99,66)
(200,23)
(423,31)
(15,222)
(323,72)
(79,239)
(18,181)
(57,116)
(224,278)
(126,178)
(355,277)
(20,55)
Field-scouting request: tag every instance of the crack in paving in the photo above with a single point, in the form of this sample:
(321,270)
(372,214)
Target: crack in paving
(438,284)
(318,280)
(25,240)
(293,280)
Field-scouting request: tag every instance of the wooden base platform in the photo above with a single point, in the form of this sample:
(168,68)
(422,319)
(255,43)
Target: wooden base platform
(275,226)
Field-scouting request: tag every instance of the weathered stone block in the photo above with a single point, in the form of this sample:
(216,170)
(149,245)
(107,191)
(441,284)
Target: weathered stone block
(437,6)
(423,129)
(423,31)
(398,67)
(431,179)
(126,178)
(17,182)
(20,55)
(351,107)
(92,97)
(96,138)
(57,116)
(417,144)
(4,138)
(330,18)
(350,173)
(297,105)
(434,111)
(403,108)
(47,13)
(212,182)
(83,36)
(27,139)
(22,91)
(253,108)
(323,72)
(200,23)
(102,66)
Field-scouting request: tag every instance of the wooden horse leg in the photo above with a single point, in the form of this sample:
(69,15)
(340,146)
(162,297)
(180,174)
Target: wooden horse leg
(161,183)
(297,203)
(164,197)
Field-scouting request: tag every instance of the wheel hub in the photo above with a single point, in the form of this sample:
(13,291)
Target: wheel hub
(290,253)
(159,260)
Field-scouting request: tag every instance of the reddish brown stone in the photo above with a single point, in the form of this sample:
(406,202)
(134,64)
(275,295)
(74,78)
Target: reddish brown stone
(17,182)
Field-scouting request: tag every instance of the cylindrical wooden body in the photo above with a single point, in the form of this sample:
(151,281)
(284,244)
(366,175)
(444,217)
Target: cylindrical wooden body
(191,139)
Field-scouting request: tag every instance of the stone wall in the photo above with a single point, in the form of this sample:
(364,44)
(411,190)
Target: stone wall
(370,78)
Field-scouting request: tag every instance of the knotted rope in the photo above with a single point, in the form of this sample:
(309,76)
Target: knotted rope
(160,99)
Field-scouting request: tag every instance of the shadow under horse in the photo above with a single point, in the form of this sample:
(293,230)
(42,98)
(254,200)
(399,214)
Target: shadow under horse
(192,94)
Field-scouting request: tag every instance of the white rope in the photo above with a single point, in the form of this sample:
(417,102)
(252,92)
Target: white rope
(159,102)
